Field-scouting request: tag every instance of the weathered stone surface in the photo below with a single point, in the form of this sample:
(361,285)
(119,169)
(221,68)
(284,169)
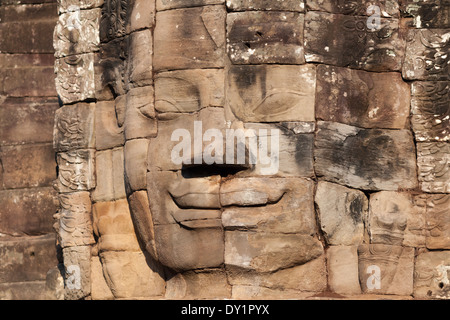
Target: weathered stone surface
(431,279)
(265,37)
(114,227)
(74,217)
(110,69)
(38,69)
(135,153)
(27,120)
(342,213)
(388,8)
(268,252)
(363,99)
(187,227)
(99,287)
(77,32)
(142,15)
(372,159)
(109,172)
(27,166)
(22,35)
(168,140)
(28,290)
(76,170)
(27,259)
(190,38)
(291,154)
(397,218)
(342,262)
(140,72)
(173,4)
(308,277)
(385,269)
(181,249)
(428,13)
(261,293)
(77,264)
(74,127)
(285,5)
(140,113)
(75,80)
(427,55)
(189,90)
(431,110)
(268,204)
(114,19)
(272,93)
(27,211)
(346,41)
(108,134)
(207,284)
(128,275)
(438,221)
(143,222)
(433,161)
(65,5)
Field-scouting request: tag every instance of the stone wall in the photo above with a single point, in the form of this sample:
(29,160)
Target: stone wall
(360,204)
(28,102)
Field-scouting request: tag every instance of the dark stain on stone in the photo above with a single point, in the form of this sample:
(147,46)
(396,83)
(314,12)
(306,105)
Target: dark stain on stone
(356,209)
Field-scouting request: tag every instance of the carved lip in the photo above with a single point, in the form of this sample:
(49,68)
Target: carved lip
(197,200)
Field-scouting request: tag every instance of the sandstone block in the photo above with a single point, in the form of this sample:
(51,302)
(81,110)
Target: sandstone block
(114,227)
(269,93)
(135,154)
(371,159)
(140,72)
(28,120)
(75,220)
(265,37)
(287,5)
(431,278)
(77,276)
(433,162)
(74,127)
(190,38)
(108,133)
(346,41)
(27,166)
(189,90)
(75,80)
(385,269)
(99,287)
(431,110)
(109,171)
(427,13)
(173,4)
(27,211)
(308,277)
(27,259)
(77,32)
(427,55)
(363,99)
(76,170)
(140,119)
(388,8)
(343,270)
(438,222)
(65,5)
(142,15)
(128,275)
(342,213)
(207,284)
(268,252)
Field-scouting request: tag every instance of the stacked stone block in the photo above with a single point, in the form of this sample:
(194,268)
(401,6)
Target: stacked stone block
(360,205)
(28,102)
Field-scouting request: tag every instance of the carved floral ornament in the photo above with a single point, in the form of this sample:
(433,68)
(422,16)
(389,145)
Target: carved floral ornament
(320,89)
